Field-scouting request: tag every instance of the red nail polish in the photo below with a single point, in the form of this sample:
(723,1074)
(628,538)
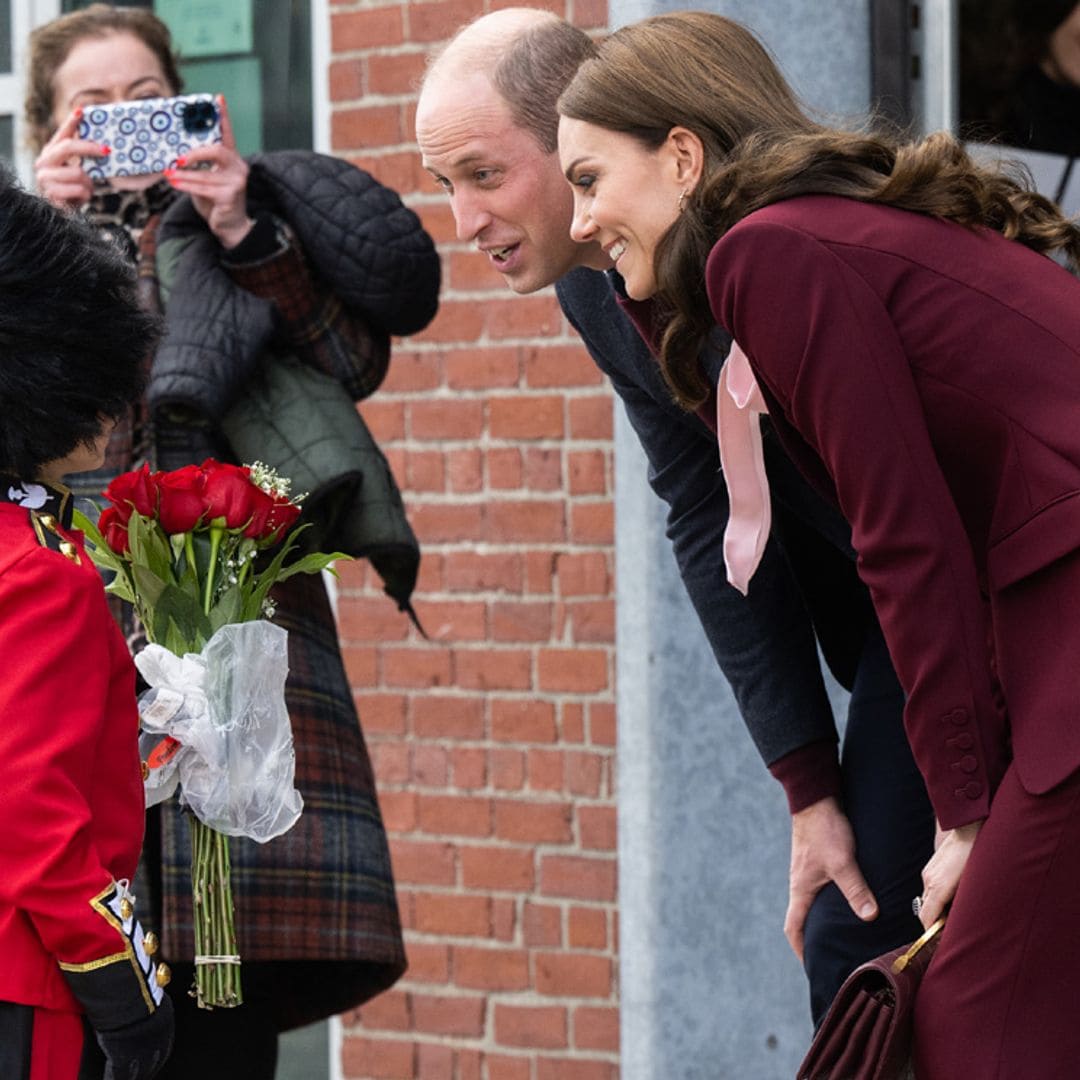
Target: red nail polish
(181,162)
(78,113)
(106,149)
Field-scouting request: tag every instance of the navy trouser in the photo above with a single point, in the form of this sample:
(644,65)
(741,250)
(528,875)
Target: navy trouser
(224,1044)
(886,802)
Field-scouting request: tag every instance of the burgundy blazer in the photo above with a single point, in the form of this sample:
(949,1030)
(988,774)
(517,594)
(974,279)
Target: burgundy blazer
(927,376)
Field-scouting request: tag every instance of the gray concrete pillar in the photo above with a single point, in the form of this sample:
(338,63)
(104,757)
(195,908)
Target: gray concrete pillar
(709,988)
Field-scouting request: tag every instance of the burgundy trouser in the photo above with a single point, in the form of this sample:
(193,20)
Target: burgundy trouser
(1001,1000)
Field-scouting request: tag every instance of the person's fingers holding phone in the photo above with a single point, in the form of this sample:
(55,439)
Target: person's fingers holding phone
(219,192)
(58,170)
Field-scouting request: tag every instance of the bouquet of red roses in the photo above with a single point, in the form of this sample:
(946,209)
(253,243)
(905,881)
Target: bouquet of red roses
(183,548)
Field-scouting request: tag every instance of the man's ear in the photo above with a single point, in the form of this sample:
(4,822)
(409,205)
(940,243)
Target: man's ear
(688,156)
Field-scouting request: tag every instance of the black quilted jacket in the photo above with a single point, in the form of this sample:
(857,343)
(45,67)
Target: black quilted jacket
(361,242)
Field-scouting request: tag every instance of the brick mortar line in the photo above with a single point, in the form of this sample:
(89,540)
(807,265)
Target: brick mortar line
(560,341)
(527,998)
(490,793)
(444,391)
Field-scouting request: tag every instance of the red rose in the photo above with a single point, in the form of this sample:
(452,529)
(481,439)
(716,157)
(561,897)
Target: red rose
(262,507)
(281,517)
(230,496)
(133,490)
(181,503)
(113,529)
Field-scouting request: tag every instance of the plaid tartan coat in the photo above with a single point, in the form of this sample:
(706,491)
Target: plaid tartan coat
(320,897)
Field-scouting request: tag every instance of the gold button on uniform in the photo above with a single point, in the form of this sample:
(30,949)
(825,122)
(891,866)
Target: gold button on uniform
(150,943)
(127,909)
(163,975)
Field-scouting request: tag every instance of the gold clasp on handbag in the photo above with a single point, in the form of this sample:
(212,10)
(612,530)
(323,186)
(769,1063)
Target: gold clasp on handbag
(904,959)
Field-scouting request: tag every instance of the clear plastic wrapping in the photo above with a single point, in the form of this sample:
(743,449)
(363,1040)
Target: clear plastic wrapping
(235,765)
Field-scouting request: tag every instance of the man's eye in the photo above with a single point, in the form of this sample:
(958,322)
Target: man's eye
(444,183)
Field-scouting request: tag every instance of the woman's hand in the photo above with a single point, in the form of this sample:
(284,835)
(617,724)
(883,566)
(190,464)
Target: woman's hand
(58,170)
(941,875)
(219,192)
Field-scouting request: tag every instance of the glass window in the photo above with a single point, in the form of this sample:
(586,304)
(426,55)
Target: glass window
(5,38)
(1019,87)
(262,65)
(7,140)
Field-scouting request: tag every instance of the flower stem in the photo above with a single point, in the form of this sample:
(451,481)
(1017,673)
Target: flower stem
(216,984)
(216,533)
(189,553)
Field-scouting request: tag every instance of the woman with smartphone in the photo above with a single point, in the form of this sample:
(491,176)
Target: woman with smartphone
(897,315)
(317,919)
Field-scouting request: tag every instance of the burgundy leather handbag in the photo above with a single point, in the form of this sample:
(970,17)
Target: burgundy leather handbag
(867,1032)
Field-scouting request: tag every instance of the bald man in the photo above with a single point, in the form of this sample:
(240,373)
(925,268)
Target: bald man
(862,827)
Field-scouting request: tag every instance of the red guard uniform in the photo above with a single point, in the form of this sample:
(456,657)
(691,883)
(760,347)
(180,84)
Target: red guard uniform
(71,801)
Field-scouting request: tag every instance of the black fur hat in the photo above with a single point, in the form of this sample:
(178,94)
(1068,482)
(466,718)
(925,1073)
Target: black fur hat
(72,336)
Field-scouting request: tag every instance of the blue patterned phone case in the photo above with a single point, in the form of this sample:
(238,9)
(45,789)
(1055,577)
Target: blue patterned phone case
(148,136)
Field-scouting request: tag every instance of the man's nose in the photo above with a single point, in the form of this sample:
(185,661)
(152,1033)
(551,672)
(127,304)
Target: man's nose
(471,216)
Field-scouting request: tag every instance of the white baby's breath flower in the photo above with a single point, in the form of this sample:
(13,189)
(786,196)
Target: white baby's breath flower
(273,484)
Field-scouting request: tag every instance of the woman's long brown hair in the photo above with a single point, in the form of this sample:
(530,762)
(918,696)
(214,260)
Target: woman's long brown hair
(712,76)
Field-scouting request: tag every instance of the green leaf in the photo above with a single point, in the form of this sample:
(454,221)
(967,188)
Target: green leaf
(314,563)
(176,609)
(176,641)
(262,583)
(149,548)
(200,542)
(100,553)
(148,585)
(187,572)
(228,607)
(121,586)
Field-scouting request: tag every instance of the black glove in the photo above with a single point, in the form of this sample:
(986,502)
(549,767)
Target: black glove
(139,1050)
(123,993)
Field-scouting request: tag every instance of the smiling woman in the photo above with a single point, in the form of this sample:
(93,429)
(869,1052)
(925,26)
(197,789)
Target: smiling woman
(607,171)
(887,298)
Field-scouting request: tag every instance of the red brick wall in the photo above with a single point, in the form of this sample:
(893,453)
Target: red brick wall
(493,741)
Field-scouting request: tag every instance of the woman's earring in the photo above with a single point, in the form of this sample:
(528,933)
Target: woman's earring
(682,200)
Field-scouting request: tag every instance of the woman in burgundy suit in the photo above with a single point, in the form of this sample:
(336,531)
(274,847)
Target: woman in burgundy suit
(918,353)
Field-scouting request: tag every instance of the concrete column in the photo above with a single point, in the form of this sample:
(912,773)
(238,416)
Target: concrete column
(709,988)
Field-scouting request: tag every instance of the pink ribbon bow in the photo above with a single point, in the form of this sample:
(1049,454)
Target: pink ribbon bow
(739,404)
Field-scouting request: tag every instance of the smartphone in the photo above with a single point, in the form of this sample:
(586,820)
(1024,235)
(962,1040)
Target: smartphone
(147,136)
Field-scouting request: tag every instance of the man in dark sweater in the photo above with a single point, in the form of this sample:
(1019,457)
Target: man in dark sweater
(862,830)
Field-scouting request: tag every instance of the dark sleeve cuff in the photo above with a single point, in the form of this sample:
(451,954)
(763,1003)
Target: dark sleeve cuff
(809,774)
(264,241)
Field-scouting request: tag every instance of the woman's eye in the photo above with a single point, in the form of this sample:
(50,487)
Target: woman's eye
(584,181)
